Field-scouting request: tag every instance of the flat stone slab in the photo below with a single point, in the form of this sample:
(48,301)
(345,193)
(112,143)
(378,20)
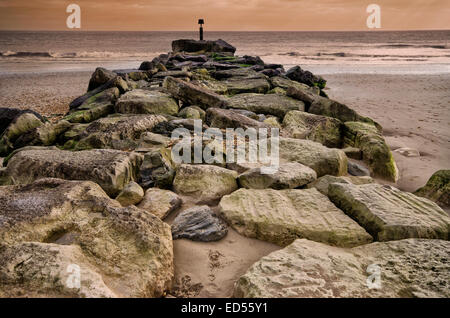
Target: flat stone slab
(139,101)
(324,182)
(407,268)
(199,224)
(282,216)
(269,104)
(52,227)
(321,159)
(287,176)
(390,214)
(111,169)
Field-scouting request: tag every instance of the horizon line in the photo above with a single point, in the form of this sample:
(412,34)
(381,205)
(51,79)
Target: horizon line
(101,30)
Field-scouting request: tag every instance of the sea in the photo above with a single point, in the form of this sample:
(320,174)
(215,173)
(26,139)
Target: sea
(387,52)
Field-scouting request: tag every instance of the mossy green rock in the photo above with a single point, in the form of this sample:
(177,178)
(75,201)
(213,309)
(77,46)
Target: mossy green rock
(269,104)
(437,188)
(390,214)
(111,169)
(204,183)
(408,268)
(44,135)
(282,216)
(139,101)
(193,112)
(376,152)
(321,159)
(20,125)
(132,194)
(325,130)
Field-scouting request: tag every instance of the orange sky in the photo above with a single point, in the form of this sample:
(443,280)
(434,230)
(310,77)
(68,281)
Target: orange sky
(233,15)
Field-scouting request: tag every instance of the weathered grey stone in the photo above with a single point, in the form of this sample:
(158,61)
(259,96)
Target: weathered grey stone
(160,202)
(437,188)
(121,132)
(199,224)
(192,94)
(150,141)
(111,169)
(8,115)
(204,183)
(193,46)
(269,104)
(376,152)
(325,130)
(193,112)
(228,118)
(157,169)
(306,77)
(51,224)
(353,153)
(131,194)
(390,214)
(408,152)
(281,216)
(139,101)
(286,83)
(100,77)
(288,176)
(357,169)
(246,85)
(323,183)
(321,159)
(408,268)
(44,135)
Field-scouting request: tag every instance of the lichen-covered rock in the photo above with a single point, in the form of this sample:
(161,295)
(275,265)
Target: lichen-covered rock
(408,268)
(23,123)
(192,94)
(122,132)
(323,183)
(228,118)
(204,183)
(285,83)
(160,202)
(100,77)
(269,104)
(390,214)
(321,159)
(157,169)
(199,224)
(139,101)
(193,112)
(376,152)
(287,176)
(325,130)
(44,135)
(131,194)
(52,228)
(282,216)
(111,169)
(437,188)
(8,115)
(193,46)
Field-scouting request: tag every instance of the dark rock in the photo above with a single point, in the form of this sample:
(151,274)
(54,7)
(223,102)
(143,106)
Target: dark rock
(437,188)
(356,169)
(193,46)
(306,77)
(8,115)
(100,77)
(199,224)
(156,170)
(219,66)
(271,72)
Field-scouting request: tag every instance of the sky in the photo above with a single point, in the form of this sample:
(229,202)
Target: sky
(224,15)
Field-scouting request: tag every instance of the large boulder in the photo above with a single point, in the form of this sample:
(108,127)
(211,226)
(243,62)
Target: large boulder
(282,216)
(160,202)
(242,80)
(376,152)
(199,224)
(44,135)
(8,115)
(193,46)
(100,77)
(21,124)
(306,77)
(321,159)
(204,183)
(121,132)
(406,268)
(52,229)
(269,104)
(139,101)
(111,169)
(287,176)
(325,130)
(228,118)
(192,94)
(390,214)
(437,188)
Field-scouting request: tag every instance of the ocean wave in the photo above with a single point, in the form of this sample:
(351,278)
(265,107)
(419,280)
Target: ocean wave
(68,55)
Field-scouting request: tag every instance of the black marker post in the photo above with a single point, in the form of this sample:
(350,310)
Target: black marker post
(201,22)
